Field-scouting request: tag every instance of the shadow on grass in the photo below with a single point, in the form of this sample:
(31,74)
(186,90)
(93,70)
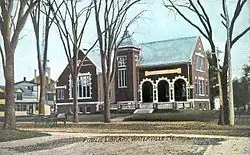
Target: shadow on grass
(103,139)
(185,115)
(9,135)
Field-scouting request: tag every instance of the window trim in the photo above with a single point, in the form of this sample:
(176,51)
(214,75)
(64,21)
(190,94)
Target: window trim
(87,112)
(200,68)
(201,87)
(124,63)
(90,85)
(60,94)
(122,81)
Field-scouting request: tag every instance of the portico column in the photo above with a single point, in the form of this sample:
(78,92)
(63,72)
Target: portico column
(140,92)
(171,92)
(155,95)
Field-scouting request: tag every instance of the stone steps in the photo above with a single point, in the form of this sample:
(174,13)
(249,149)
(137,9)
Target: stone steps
(143,111)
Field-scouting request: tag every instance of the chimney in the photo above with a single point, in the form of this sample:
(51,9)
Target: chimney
(35,80)
(24,78)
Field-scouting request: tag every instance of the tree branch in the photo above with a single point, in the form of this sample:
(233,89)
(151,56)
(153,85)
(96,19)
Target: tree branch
(3,60)
(240,35)
(185,18)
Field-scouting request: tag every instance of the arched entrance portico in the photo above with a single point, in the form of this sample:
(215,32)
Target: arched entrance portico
(147,92)
(180,90)
(163,91)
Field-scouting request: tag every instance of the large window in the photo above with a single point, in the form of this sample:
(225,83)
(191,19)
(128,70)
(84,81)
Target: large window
(84,86)
(122,71)
(200,63)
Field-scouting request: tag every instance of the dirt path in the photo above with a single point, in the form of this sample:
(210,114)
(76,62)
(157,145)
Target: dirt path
(136,144)
(234,146)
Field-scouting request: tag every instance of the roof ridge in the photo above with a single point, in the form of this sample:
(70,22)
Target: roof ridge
(172,39)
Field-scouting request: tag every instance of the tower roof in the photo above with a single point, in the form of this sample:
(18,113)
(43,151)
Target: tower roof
(128,40)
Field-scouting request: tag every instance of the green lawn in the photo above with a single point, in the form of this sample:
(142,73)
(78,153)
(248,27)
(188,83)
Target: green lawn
(204,128)
(98,117)
(8,135)
(183,115)
(175,122)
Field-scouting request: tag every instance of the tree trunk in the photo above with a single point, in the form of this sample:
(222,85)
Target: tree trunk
(74,91)
(106,86)
(221,115)
(9,115)
(42,92)
(106,112)
(230,92)
(225,94)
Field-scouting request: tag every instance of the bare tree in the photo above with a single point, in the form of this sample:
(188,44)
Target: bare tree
(13,16)
(68,19)
(196,7)
(41,28)
(114,17)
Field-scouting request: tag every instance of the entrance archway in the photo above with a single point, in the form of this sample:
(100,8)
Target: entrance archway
(180,90)
(163,91)
(147,92)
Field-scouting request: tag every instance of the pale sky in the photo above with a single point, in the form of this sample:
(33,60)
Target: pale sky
(155,25)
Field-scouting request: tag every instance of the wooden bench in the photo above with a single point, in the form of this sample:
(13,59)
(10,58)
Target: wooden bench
(43,119)
(51,118)
(61,117)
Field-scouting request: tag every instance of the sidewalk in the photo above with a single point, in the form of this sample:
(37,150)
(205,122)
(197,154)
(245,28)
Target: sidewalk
(232,145)
(119,119)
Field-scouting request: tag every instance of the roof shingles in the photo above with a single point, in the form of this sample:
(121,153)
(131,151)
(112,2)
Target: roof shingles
(167,52)
(159,53)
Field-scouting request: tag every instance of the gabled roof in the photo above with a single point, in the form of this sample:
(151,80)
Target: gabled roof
(1,90)
(167,52)
(25,82)
(49,86)
(95,57)
(37,80)
(158,53)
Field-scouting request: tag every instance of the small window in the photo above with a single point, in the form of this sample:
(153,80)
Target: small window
(19,96)
(21,107)
(191,93)
(2,96)
(196,87)
(37,106)
(81,109)
(31,88)
(206,89)
(201,87)
(122,61)
(88,109)
(1,107)
(50,96)
(59,94)
(200,63)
